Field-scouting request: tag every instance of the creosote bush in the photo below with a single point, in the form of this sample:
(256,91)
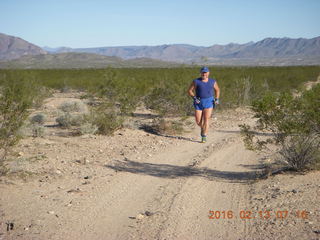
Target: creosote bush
(73,106)
(17,96)
(106,121)
(162,126)
(301,151)
(38,130)
(293,124)
(88,128)
(67,120)
(38,118)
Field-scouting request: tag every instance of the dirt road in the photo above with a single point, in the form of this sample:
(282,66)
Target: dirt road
(137,185)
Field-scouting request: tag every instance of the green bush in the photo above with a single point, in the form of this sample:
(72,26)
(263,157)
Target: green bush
(17,96)
(38,130)
(38,118)
(67,120)
(294,124)
(106,122)
(88,128)
(73,106)
(105,118)
(301,152)
(126,87)
(170,99)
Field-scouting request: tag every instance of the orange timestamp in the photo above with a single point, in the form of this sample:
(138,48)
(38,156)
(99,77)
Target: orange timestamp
(262,214)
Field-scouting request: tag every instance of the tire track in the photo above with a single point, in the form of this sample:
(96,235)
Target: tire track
(170,204)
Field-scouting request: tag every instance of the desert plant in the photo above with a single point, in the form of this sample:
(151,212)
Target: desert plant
(38,118)
(292,124)
(88,128)
(37,130)
(67,120)
(301,152)
(106,122)
(164,126)
(169,100)
(242,90)
(73,106)
(16,98)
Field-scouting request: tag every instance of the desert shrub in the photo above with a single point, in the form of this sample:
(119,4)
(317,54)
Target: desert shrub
(43,93)
(88,128)
(16,98)
(38,118)
(301,152)
(293,124)
(127,86)
(73,106)
(242,91)
(106,121)
(38,130)
(67,120)
(169,99)
(164,126)
(123,91)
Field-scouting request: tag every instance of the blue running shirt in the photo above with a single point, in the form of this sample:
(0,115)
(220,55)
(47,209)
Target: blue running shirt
(204,89)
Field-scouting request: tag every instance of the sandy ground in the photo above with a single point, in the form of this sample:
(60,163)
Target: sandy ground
(137,185)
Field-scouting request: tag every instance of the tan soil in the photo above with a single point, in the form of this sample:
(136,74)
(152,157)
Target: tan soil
(137,185)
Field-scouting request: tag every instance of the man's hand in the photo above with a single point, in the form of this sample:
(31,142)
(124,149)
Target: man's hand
(196,100)
(216,101)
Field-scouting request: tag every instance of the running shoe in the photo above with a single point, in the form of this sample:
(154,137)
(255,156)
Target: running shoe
(203,139)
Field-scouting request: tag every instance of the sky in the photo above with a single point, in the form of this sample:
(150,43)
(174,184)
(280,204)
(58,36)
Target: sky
(99,23)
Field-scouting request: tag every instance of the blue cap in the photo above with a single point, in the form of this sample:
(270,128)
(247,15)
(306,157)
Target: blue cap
(204,69)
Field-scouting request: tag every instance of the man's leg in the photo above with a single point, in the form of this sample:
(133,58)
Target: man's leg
(206,116)
(198,116)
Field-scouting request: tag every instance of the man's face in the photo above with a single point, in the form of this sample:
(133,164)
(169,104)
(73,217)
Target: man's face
(205,75)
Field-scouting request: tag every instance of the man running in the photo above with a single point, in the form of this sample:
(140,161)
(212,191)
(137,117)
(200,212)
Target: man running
(205,93)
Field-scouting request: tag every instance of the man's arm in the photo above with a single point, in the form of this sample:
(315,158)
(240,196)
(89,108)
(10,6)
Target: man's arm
(216,90)
(191,90)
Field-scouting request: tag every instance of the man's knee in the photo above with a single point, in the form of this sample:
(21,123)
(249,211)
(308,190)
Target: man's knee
(205,120)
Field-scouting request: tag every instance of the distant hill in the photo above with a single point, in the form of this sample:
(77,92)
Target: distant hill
(81,60)
(14,47)
(267,51)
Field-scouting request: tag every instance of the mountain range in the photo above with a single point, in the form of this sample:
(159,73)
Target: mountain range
(13,47)
(269,51)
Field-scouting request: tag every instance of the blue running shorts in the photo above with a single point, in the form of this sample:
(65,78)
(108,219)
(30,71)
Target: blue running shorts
(205,103)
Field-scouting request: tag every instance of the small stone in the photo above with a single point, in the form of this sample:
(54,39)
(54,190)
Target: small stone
(51,212)
(294,191)
(147,213)
(26,228)
(140,216)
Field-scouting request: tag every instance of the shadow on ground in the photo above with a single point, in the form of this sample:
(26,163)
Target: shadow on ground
(172,171)
(149,129)
(254,132)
